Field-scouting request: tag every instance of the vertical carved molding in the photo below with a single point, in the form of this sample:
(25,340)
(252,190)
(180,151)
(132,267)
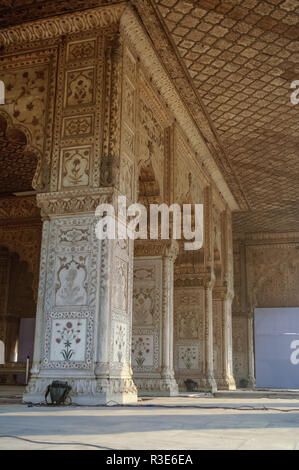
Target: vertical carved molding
(112,122)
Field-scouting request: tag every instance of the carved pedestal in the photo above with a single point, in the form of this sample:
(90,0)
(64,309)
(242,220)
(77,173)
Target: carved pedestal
(83,326)
(152,345)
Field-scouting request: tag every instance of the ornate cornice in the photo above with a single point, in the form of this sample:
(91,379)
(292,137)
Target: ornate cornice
(37,9)
(57,26)
(267,238)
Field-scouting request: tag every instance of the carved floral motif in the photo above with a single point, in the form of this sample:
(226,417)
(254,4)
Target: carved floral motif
(79,87)
(142,351)
(75,167)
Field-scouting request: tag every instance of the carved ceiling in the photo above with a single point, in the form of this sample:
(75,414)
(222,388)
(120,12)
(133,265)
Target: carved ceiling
(241,57)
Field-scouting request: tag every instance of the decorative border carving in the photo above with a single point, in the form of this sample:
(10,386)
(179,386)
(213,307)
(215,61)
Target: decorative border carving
(57,26)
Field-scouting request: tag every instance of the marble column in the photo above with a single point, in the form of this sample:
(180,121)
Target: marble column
(83,329)
(222,313)
(251,360)
(152,345)
(208,381)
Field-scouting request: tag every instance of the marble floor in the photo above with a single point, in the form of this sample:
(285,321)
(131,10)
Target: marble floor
(190,421)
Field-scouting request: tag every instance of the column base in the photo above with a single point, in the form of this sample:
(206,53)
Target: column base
(251,382)
(208,384)
(156,387)
(86,390)
(226,383)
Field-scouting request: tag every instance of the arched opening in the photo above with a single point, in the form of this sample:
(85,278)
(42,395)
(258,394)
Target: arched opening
(16,159)
(17,316)
(20,224)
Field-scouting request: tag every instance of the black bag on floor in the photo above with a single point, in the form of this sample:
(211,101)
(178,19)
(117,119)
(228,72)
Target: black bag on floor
(59,392)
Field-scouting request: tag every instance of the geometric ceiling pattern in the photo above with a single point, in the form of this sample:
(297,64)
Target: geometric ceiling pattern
(242,57)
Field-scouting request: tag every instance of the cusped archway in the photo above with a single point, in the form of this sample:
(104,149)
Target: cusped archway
(18,161)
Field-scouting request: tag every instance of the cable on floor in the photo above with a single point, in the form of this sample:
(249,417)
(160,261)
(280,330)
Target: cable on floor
(113,403)
(56,443)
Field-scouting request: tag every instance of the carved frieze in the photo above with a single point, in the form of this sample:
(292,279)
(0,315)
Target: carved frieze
(62,25)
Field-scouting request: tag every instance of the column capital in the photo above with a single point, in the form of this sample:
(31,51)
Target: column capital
(223,293)
(209,280)
(74,202)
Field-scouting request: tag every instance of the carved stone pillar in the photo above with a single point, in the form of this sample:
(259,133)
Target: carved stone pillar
(222,332)
(208,381)
(83,329)
(251,360)
(243,335)
(189,350)
(208,283)
(222,315)
(152,345)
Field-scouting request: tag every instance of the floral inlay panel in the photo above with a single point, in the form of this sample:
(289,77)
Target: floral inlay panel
(69,340)
(142,350)
(75,167)
(120,343)
(79,87)
(188,357)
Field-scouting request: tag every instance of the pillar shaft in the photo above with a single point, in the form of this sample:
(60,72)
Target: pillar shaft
(152,346)
(209,366)
(83,332)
